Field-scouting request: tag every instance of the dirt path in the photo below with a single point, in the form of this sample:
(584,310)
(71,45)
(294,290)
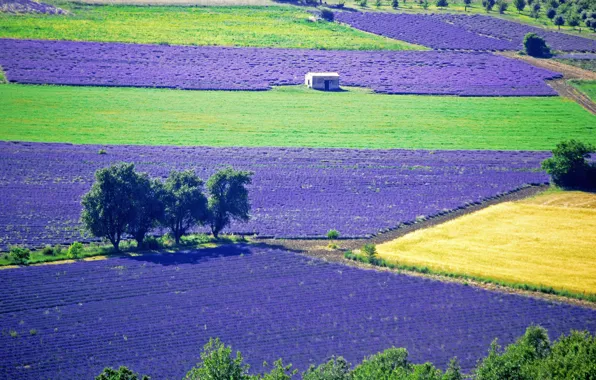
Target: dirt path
(561,86)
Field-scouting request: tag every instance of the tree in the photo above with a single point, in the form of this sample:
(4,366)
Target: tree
(574,22)
(536,10)
(217,363)
(467,4)
(147,208)
(334,369)
(558,21)
(327,15)
(108,206)
(122,373)
(442,3)
(381,365)
(551,13)
(569,168)
(183,202)
(228,198)
(394,4)
(488,5)
(503,5)
(535,46)
(591,23)
(519,5)
(279,372)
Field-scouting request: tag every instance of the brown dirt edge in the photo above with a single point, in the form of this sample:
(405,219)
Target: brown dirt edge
(318,248)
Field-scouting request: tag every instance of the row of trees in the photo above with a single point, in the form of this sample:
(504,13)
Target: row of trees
(533,356)
(124,202)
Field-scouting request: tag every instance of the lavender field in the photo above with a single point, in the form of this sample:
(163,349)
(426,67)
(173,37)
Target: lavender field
(296,192)
(29,6)
(153,313)
(459,32)
(221,68)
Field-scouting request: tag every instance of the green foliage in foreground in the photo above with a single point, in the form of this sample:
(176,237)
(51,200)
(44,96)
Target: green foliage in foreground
(281,27)
(588,87)
(362,258)
(121,373)
(533,356)
(288,116)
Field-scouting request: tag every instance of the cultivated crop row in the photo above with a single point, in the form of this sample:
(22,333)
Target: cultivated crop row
(459,32)
(154,312)
(221,68)
(295,193)
(28,6)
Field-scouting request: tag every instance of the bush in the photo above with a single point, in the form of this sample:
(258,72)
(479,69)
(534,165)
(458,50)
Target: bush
(75,251)
(535,46)
(488,4)
(332,234)
(57,250)
(47,251)
(19,255)
(370,250)
(327,15)
(362,3)
(151,243)
(102,151)
(122,373)
(569,167)
(551,13)
(442,3)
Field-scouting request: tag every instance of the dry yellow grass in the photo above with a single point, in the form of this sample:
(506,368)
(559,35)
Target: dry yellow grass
(548,240)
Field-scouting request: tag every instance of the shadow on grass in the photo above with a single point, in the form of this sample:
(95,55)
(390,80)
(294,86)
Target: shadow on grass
(202,255)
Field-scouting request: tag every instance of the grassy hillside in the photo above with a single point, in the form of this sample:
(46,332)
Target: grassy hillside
(283,27)
(291,116)
(546,241)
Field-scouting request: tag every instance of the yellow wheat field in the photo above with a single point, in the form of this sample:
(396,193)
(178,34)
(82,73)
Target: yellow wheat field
(548,240)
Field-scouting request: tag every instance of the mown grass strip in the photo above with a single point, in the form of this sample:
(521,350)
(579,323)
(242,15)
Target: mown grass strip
(281,27)
(289,116)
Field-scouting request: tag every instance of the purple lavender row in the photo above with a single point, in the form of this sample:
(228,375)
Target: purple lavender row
(515,32)
(459,32)
(153,313)
(222,68)
(28,6)
(296,192)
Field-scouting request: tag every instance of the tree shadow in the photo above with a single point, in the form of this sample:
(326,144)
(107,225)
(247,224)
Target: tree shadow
(202,255)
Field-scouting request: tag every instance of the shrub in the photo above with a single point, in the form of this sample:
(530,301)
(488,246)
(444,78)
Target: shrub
(47,251)
(57,250)
(362,3)
(122,373)
(370,250)
(327,15)
(535,46)
(102,151)
(442,3)
(573,21)
(19,255)
(332,234)
(551,13)
(488,4)
(569,168)
(151,242)
(75,250)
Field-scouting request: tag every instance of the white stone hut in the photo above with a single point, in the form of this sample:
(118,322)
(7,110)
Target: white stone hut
(322,81)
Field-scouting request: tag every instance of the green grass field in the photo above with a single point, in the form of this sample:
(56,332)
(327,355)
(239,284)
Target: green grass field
(288,116)
(282,27)
(588,87)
